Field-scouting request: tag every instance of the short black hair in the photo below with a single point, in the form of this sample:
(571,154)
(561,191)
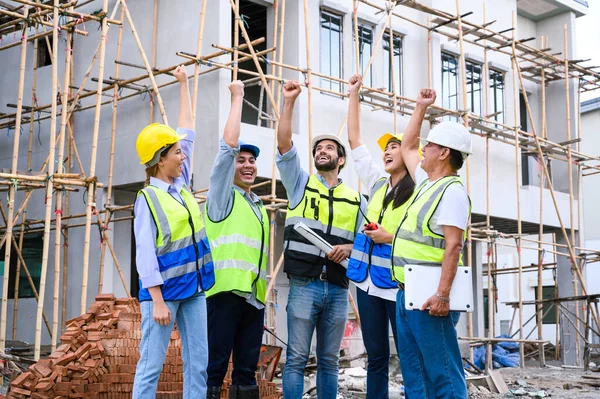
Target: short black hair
(456,159)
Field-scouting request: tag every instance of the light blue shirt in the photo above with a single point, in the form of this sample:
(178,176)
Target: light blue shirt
(295,179)
(219,201)
(144,227)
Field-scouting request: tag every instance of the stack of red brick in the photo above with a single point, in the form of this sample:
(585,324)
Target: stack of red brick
(97,357)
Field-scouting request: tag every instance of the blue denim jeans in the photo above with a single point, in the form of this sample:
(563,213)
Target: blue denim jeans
(376,314)
(314,304)
(429,354)
(190,315)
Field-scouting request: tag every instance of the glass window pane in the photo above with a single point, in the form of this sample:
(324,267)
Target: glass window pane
(387,65)
(331,49)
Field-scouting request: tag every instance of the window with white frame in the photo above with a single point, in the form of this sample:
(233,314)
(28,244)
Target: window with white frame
(496,83)
(449,81)
(392,61)
(332,49)
(474,87)
(365,50)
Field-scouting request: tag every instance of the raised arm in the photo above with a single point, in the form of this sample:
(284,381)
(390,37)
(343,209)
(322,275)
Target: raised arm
(232,126)
(185,107)
(410,141)
(354,135)
(291,90)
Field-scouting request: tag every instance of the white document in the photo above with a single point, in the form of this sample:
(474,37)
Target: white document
(420,283)
(316,240)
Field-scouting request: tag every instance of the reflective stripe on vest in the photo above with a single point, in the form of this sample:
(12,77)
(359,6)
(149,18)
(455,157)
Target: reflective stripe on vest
(184,257)
(371,258)
(330,212)
(240,249)
(414,242)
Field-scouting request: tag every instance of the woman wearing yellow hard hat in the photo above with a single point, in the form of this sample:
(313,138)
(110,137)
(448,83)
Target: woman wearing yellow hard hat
(172,255)
(369,266)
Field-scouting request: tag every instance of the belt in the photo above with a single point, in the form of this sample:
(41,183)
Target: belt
(401,286)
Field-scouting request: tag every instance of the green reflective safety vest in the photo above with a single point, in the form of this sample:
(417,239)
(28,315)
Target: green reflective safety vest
(240,246)
(414,242)
(331,213)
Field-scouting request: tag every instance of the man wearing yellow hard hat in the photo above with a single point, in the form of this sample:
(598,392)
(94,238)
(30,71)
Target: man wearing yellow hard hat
(370,262)
(237,226)
(173,257)
(432,233)
(318,297)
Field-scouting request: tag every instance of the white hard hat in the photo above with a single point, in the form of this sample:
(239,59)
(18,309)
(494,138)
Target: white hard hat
(451,135)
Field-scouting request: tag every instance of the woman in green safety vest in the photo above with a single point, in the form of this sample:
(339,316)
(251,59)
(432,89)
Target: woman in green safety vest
(173,257)
(369,266)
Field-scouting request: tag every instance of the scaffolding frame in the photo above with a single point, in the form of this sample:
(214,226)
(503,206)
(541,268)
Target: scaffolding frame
(528,63)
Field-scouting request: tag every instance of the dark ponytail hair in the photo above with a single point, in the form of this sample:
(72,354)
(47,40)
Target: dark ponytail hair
(401,192)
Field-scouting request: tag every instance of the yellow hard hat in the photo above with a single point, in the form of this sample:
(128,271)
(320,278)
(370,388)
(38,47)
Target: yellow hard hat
(152,140)
(386,137)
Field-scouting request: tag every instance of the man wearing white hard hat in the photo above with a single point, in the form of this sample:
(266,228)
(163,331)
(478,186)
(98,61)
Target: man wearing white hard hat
(318,297)
(432,233)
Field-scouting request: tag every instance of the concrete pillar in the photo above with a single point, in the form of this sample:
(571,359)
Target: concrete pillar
(565,277)
(477,266)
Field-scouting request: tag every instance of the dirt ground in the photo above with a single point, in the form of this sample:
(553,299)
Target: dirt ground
(552,382)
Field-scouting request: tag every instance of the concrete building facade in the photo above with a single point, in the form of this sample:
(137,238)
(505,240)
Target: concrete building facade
(331,50)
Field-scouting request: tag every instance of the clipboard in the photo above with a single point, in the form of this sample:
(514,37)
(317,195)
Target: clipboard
(316,240)
(420,282)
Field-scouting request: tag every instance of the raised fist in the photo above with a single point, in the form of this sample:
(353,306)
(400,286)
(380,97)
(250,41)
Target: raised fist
(291,90)
(426,97)
(236,88)
(354,83)
(180,74)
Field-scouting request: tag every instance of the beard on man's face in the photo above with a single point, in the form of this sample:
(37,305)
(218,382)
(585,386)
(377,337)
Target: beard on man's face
(327,166)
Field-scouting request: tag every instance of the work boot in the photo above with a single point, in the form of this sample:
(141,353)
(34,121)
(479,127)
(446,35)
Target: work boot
(213,393)
(247,392)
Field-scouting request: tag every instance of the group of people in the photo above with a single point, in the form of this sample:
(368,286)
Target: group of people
(208,272)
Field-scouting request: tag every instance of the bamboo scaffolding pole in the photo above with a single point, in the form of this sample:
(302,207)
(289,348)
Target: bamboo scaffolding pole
(113,138)
(12,192)
(430,52)
(236,39)
(59,195)
(274,269)
(161,107)
(154,26)
(540,288)
(49,187)
(393,72)
(196,81)
(515,65)
(273,69)
(365,73)
(356,41)
(571,251)
(465,117)
(106,239)
(486,73)
(570,173)
(29,156)
(36,15)
(41,22)
(73,14)
(309,84)
(92,187)
(240,23)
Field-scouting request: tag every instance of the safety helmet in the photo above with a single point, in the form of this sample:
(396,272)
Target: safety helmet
(451,135)
(252,149)
(152,140)
(317,139)
(386,137)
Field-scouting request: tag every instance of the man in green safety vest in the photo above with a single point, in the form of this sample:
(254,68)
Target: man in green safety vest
(237,227)
(432,233)
(318,297)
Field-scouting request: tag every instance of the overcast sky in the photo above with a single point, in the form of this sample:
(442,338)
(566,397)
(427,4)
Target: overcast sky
(588,37)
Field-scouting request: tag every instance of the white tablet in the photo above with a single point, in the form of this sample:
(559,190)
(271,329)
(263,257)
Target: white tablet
(421,282)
